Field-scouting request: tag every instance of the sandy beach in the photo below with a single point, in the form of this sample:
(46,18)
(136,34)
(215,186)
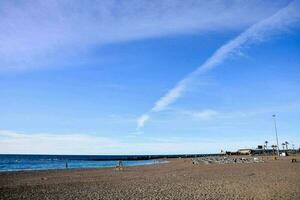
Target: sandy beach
(177,179)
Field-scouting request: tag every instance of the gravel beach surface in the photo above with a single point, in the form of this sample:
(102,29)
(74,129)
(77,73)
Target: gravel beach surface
(177,179)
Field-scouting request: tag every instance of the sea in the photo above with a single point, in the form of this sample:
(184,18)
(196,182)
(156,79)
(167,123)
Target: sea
(45,162)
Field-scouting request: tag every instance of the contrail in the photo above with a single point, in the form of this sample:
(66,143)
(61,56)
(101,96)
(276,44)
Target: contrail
(255,33)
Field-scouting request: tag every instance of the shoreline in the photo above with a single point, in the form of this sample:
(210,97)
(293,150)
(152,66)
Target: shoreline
(159,161)
(78,169)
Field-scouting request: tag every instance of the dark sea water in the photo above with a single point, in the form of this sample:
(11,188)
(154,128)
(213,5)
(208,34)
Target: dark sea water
(44,162)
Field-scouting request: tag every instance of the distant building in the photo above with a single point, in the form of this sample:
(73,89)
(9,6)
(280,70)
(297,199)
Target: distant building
(245,151)
(257,151)
(231,153)
(260,147)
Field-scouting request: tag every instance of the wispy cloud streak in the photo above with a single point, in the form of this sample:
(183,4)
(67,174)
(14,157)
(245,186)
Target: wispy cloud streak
(210,114)
(256,33)
(45,33)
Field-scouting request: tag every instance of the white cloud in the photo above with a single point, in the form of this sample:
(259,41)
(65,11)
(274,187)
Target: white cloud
(173,94)
(44,33)
(280,20)
(206,114)
(142,120)
(209,114)
(76,144)
(12,142)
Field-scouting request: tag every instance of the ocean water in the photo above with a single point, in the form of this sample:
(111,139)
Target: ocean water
(44,162)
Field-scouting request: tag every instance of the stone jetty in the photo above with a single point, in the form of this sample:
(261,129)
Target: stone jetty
(225,160)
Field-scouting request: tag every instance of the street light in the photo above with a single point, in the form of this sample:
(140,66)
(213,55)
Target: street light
(275,125)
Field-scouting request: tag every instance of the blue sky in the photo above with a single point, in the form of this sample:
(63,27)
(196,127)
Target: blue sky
(139,78)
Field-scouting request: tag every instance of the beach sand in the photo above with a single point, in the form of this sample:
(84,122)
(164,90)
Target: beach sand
(177,179)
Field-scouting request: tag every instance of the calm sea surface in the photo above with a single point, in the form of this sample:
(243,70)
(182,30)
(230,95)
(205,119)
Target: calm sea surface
(43,162)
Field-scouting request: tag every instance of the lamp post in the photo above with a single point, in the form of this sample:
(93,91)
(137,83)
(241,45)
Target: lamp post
(275,125)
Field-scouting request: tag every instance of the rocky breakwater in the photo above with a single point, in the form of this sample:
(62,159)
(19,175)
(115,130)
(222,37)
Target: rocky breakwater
(225,160)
